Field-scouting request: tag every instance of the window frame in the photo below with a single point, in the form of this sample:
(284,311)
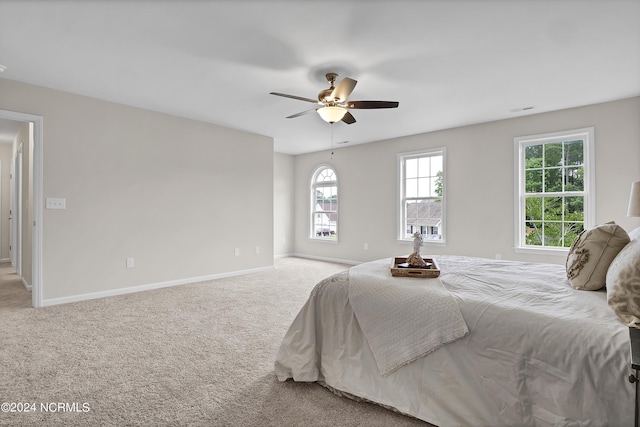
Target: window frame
(401,215)
(588,192)
(312,203)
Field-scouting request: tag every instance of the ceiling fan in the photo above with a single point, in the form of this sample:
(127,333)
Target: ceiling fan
(333,102)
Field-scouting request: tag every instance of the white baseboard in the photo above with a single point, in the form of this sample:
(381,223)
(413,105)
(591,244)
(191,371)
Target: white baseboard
(141,288)
(319,258)
(26,285)
(5,259)
(283,256)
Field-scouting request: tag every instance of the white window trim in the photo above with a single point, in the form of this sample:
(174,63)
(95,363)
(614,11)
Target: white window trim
(400,192)
(587,135)
(311,232)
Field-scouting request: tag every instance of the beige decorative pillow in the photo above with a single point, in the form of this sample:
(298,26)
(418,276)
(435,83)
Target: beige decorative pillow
(592,253)
(623,285)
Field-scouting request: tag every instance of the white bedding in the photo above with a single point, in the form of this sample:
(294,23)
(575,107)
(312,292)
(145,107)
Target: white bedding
(384,305)
(538,352)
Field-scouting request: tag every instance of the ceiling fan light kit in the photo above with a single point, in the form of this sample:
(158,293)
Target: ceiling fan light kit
(333,101)
(332,114)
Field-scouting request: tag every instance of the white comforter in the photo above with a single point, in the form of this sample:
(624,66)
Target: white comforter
(538,352)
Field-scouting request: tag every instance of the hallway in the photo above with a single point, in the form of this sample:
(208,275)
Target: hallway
(13,294)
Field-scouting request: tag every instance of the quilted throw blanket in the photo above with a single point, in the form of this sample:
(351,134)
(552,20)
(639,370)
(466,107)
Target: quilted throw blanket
(402,318)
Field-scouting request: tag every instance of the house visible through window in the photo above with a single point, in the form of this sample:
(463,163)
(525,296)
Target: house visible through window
(422,195)
(554,189)
(324,204)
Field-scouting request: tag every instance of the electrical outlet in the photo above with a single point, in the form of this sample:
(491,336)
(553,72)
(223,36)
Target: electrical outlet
(56,203)
(498,256)
(236,251)
(257,250)
(366,246)
(130,263)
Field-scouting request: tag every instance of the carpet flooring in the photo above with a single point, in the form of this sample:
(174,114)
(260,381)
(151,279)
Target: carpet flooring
(193,355)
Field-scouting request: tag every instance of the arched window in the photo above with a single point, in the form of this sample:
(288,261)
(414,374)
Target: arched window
(324,204)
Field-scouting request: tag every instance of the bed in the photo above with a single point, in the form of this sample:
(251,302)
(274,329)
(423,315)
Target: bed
(536,351)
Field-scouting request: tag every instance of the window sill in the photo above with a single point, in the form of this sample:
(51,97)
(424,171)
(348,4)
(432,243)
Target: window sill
(424,242)
(321,240)
(542,251)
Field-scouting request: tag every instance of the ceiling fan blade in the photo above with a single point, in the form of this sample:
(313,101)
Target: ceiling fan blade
(372,104)
(302,113)
(300,98)
(348,118)
(343,90)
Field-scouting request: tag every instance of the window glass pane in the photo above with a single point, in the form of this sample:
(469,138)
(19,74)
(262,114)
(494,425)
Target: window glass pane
(552,180)
(423,187)
(574,153)
(433,187)
(533,156)
(439,184)
(334,204)
(411,168)
(424,168)
(533,233)
(425,217)
(327,192)
(574,179)
(321,225)
(436,164)
(411,212)
(533,208)
(553,154)
(552,208)
(411,188)
(533,181)
(574,208)
(553,234)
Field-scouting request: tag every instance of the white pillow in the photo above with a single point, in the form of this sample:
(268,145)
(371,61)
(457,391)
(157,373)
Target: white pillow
(634,234)
(591,254)
(623,284)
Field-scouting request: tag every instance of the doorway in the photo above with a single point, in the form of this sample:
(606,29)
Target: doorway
(33,175)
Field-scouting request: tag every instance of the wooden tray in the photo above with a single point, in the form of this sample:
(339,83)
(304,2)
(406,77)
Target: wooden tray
(430,271)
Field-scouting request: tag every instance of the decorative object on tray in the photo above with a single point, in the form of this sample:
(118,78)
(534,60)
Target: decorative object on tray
(415,260)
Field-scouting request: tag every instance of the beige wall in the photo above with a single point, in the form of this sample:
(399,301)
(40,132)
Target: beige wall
(174,194)
(480,184)
(283,205)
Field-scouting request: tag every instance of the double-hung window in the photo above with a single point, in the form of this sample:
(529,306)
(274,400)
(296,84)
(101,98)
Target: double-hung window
(554,189)
(324,204)
(422,195)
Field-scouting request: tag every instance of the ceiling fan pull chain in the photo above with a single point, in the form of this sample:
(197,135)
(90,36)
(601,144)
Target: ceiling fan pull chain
(331,124)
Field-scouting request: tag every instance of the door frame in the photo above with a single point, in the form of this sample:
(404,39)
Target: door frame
(15,209)
(37,177)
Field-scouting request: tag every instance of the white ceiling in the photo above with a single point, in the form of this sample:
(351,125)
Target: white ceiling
(448,63)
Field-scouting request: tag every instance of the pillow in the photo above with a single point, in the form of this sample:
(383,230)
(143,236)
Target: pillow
(623,285)
(591,254)
(634,234)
